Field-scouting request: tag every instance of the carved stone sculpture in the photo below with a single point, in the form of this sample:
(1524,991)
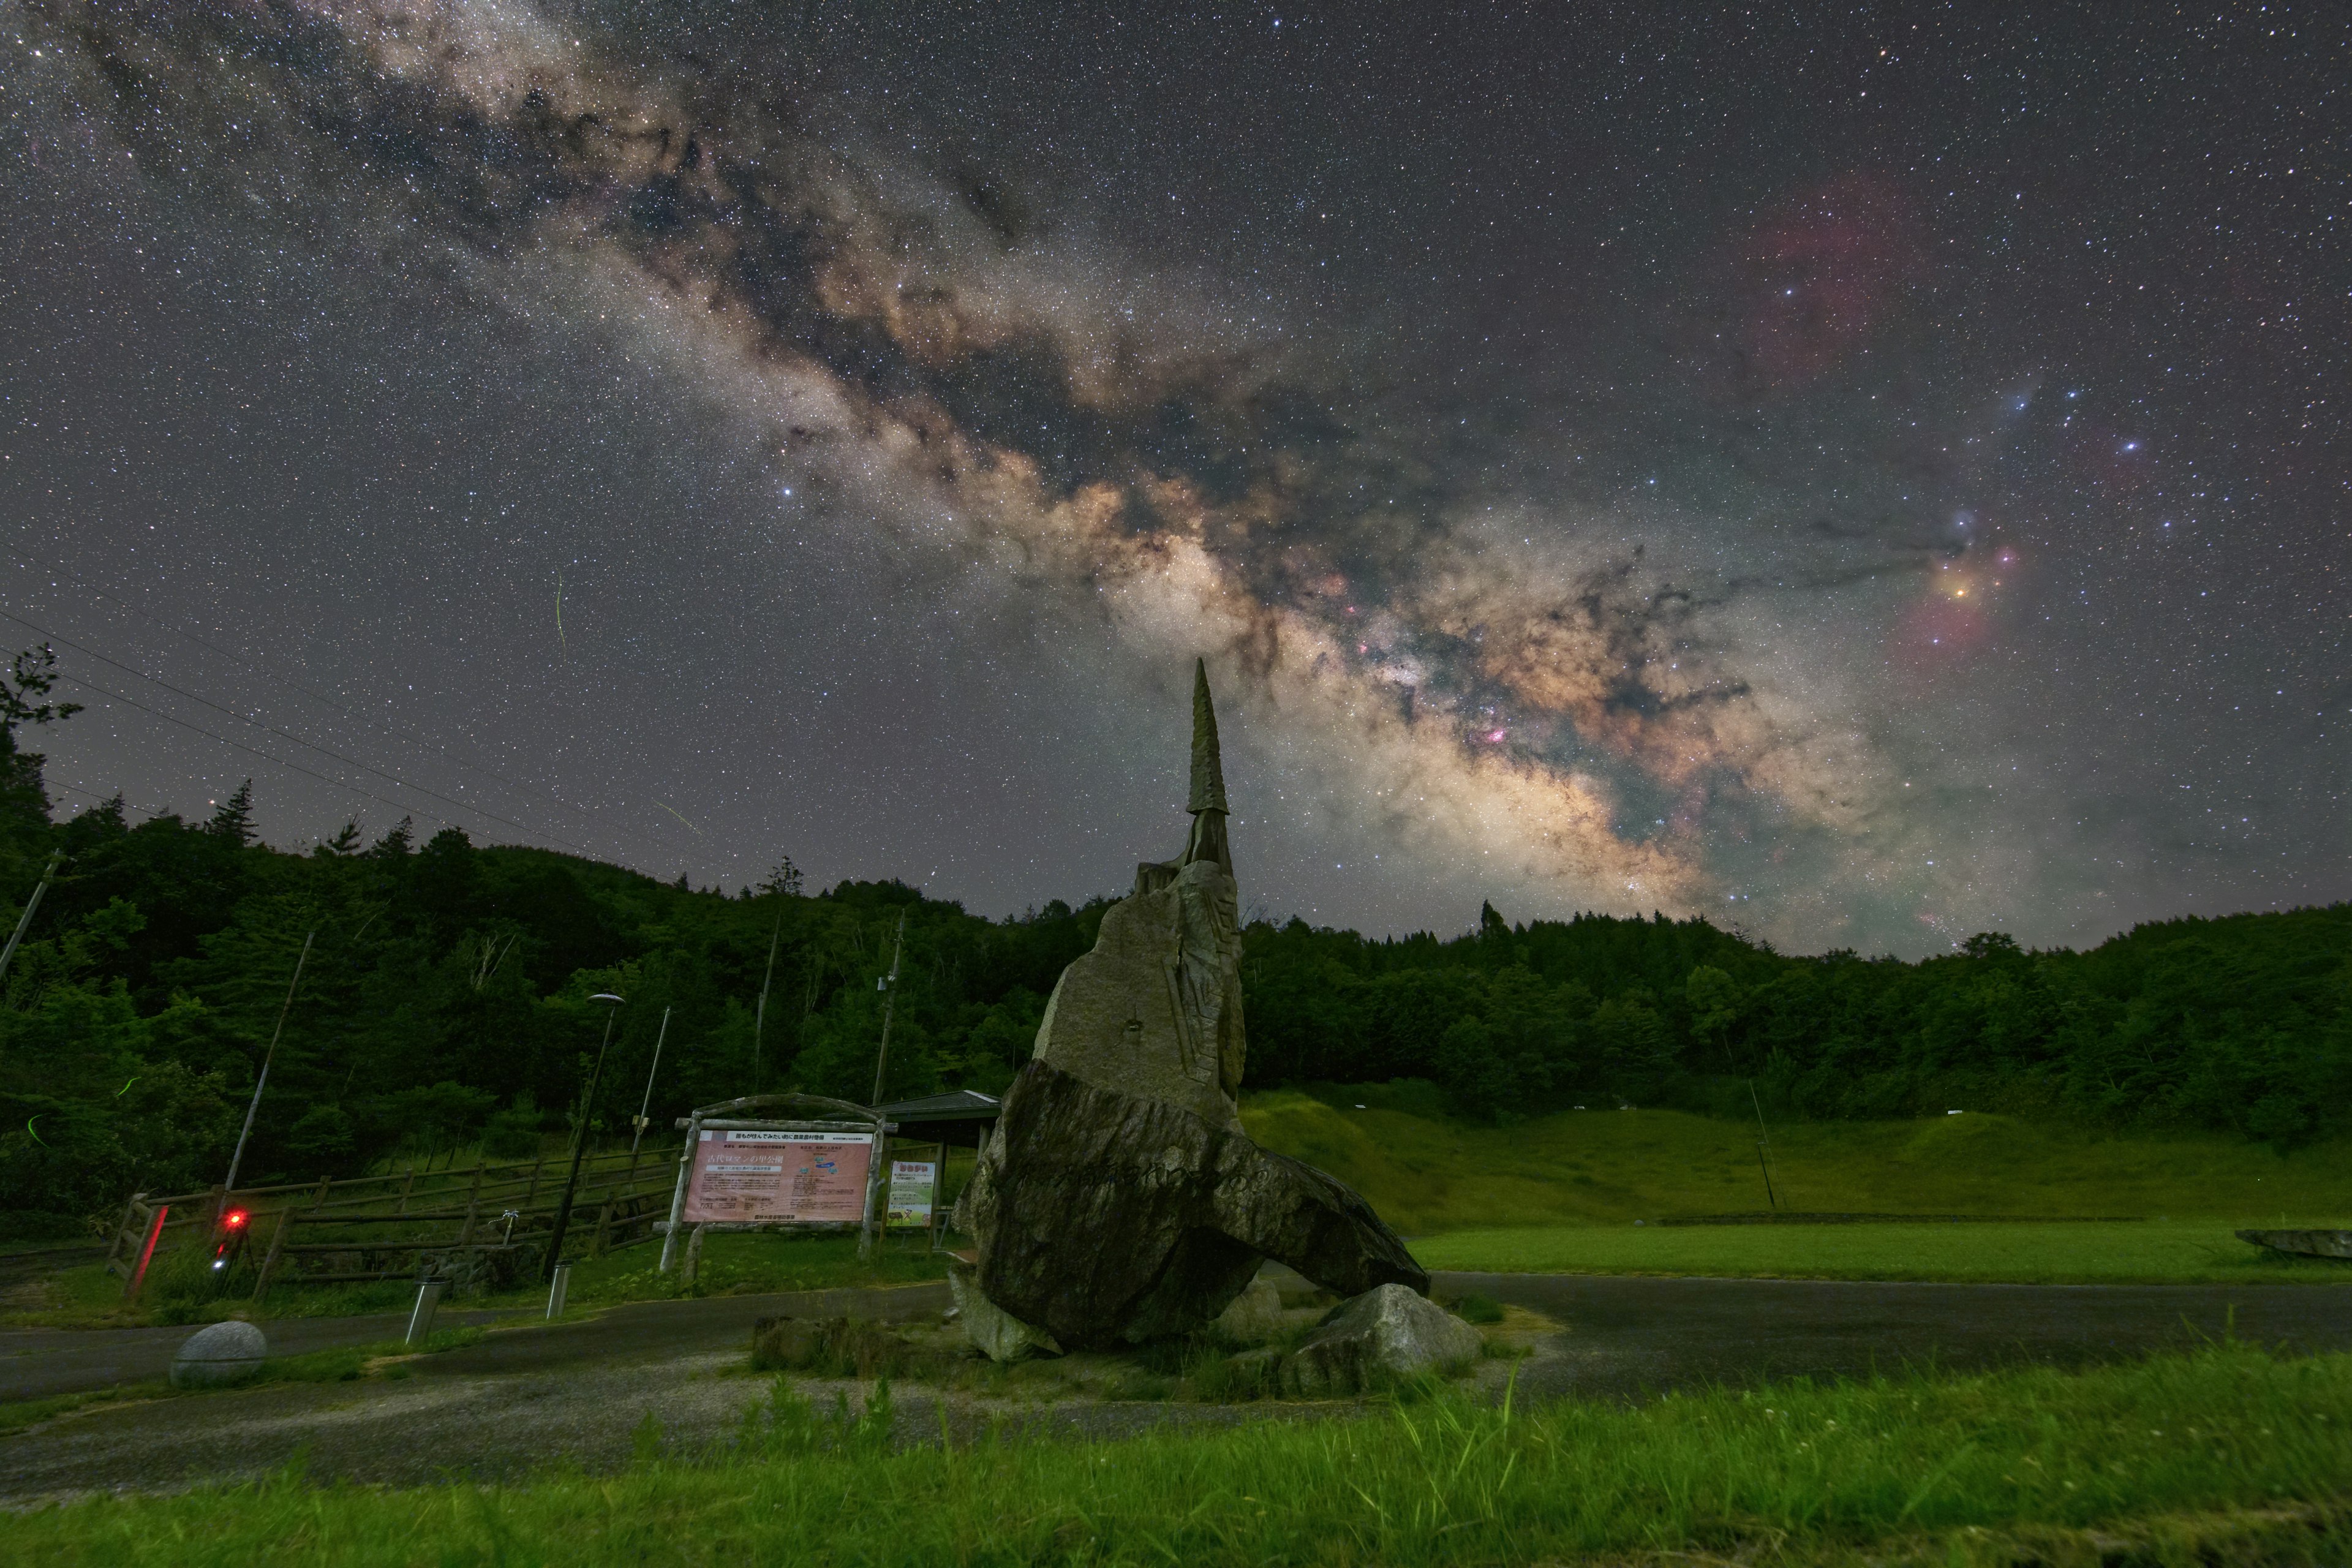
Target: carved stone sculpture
(1118,1198)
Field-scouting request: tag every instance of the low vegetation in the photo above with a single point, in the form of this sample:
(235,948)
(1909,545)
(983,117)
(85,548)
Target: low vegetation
(2224,1456)
(1426,1171)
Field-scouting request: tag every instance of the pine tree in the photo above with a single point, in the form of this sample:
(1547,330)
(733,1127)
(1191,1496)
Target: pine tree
(24,800)
(233,820)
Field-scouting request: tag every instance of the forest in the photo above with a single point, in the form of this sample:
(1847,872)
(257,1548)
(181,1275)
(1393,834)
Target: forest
(444,1001)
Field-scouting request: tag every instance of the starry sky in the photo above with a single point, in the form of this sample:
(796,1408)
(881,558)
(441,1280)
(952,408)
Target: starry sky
(1865,474)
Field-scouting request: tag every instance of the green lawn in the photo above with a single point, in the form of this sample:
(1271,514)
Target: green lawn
(1426,1173)
(1562,1193)
(2142,1253)
(2225,1456)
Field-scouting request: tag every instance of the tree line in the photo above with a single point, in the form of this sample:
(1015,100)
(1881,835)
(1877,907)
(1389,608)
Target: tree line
(445,1001)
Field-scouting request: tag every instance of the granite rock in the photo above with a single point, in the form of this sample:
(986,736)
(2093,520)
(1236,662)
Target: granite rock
(1103,1218)
(218,1355)
(1383,1336)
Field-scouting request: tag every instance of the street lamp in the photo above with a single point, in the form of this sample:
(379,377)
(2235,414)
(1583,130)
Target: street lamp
(580,1143)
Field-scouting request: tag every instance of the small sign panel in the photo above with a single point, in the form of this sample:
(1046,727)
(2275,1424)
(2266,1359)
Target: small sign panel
(759,1177)
(912,1182)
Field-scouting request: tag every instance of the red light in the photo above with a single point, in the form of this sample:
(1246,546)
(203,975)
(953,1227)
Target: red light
(234,1218)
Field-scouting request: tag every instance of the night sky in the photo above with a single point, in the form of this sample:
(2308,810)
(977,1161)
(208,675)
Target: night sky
(1866,476)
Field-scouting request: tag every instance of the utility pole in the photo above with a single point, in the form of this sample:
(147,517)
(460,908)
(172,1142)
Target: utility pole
(878,1172)
(25,921)
(580,1142)
(759,1019)
(890,1005)
(267,1056)
(649,1100)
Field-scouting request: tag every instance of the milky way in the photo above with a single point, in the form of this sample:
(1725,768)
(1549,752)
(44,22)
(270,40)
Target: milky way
(1813,540)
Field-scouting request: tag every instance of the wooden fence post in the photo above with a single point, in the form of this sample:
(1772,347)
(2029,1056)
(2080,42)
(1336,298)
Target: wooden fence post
(533,1191)
(115,1260)
(321,1200)
(473,1206)
(407,1182)
(277,1249)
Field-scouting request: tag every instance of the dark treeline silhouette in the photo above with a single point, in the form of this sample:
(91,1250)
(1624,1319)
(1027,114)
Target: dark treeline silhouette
(444,1004)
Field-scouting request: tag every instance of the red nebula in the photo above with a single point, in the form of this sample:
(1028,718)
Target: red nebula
(1939,631)
(1821,273)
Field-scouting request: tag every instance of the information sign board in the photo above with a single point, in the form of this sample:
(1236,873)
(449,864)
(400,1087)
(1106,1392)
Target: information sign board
(912,1182)
(747,1177)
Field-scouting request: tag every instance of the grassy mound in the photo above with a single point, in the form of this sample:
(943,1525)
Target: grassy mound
(1427,1172)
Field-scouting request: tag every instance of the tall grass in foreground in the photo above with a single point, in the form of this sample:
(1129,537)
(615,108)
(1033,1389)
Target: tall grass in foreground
(1952,1468)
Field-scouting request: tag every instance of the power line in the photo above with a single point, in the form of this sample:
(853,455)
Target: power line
(264,756)
(543,798)
(342,707)
(284,735)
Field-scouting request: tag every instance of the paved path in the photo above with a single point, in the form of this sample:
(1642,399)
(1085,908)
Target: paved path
(529,1396)
(38,1363)
(1627,1335)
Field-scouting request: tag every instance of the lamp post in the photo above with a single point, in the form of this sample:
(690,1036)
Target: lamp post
(580,1143)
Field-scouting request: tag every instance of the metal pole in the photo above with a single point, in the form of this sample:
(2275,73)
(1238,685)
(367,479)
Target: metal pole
(420,1317)
(580,1145)
(759,1018)
(1763,1145)
(25,921)
(267,1056)
(649,1100)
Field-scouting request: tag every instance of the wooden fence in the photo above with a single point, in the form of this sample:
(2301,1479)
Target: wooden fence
(480,1228)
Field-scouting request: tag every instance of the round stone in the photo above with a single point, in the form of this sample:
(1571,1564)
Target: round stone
(219,1355)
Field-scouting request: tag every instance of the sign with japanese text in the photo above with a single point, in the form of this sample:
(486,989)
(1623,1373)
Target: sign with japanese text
(743,1177)
(912,1182)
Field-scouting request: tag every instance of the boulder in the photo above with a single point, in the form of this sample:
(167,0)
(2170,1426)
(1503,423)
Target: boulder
(1105,1218)
(1379,1339)
(219,1355)
(1253,1316)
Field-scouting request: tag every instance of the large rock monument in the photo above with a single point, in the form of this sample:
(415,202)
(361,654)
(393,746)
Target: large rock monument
(1119,1199)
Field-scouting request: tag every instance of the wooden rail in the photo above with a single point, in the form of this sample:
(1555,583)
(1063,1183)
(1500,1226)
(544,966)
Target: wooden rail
(627,1192)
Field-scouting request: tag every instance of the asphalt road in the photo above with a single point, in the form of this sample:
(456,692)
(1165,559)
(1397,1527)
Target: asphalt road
(1629,1335)
(575,1392)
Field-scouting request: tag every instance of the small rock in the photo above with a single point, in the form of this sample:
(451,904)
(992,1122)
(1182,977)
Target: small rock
(1253,1316)
(1383,1336)
(218,1355)
(995,1332)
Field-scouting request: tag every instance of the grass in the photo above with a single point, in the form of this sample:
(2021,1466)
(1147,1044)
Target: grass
(89,1297)
(2226,1455)
(1427,1172)
(2150,1253)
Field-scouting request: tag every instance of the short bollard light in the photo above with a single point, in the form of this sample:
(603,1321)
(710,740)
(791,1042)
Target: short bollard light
(420,1319)
(556,1287)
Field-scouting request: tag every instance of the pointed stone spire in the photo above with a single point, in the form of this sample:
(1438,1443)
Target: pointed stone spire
(1208,768)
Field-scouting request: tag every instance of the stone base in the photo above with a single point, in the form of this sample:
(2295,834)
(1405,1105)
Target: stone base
(993,1332)
(1103,1218)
